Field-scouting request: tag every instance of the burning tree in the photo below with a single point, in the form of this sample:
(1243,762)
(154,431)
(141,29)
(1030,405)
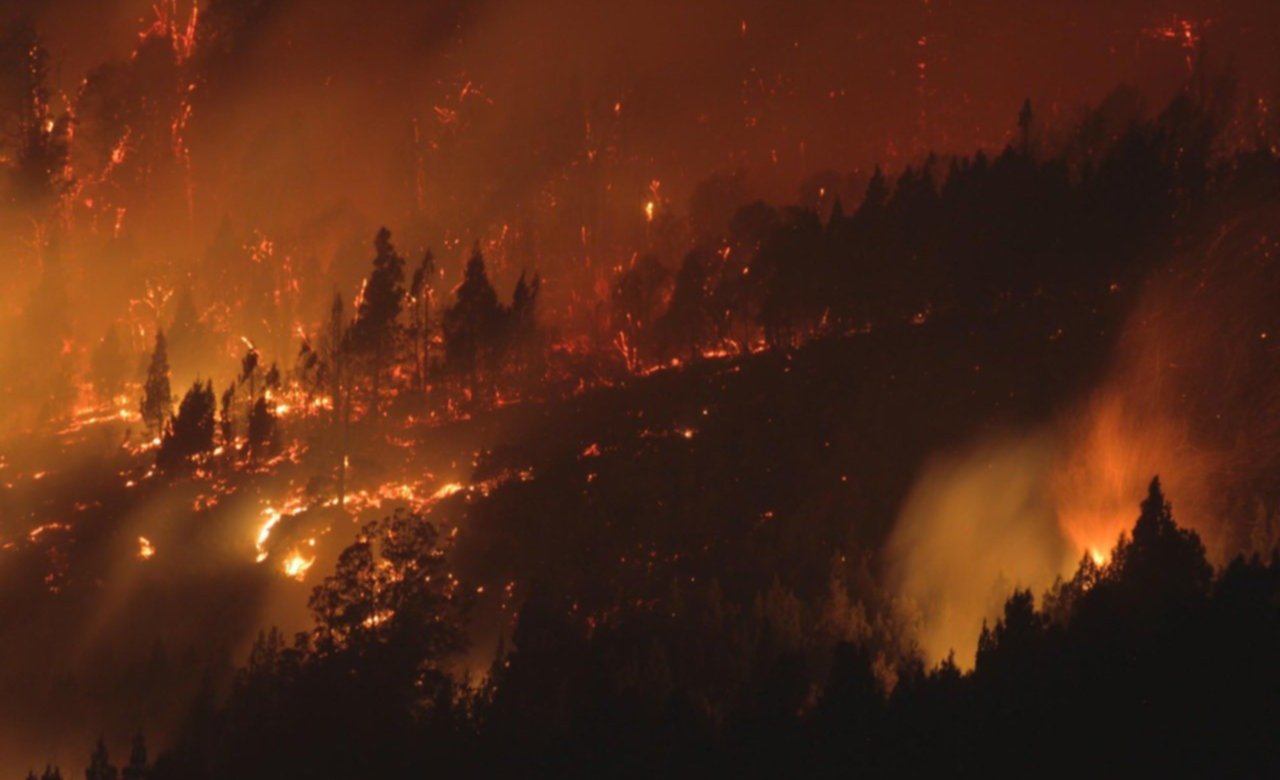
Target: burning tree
(421,291)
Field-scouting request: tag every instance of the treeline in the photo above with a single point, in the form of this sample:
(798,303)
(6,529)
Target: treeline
(1150,663)
(1056,225)
(1064,219)
(396,346)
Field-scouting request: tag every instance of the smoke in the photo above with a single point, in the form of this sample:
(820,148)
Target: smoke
(1192,394)
(977,524)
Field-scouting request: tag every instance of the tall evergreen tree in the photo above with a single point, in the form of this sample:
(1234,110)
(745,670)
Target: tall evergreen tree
(100,766)
(157,398)
(262,429)
(421,291)
(191,433)
(137,768)
(376,327)
(472,323)
(32,138)
(226,420)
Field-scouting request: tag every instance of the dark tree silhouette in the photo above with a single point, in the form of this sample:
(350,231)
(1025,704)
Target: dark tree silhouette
(137,768)
(687,323)
(472,324)
(376,328)
(191,433)
(262,438)
(157,399)
(250,369)
(421,292)
(226,420)
(34,138)
(638,299)
(100,766)
(1162,561)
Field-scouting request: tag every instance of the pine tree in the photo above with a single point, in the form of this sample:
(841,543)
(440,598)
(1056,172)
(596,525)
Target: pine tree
(137,768)
(421,291)
(226,420)
(1025,120)
(336,351)
(249,372)
(262,429)
(471,325)
(100,767)
(688,321)
(877,195)
(32,139)
(522,323)
(157,399)
(376,326)
(192,431)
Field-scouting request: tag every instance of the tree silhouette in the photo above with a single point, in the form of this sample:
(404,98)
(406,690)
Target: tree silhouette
(261,435)
(157,399)
(638,298)
(687,323)
(137,768)
(421,291)
(226,420)
(472,324)
(191,433)
(1162,560)
(34,138)
(250,368)
(100,766)
(376,327)
(521,343)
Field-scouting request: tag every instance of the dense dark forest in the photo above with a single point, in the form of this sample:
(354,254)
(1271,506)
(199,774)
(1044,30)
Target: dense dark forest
(1150,663)
(702,591)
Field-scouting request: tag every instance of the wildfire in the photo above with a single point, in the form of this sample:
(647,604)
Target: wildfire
(145,549)
(447,490)
(296,565)
(274,516)
(1186,33)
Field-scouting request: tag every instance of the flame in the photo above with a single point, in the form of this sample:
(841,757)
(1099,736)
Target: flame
(296,565)
(145,549)
(446,490)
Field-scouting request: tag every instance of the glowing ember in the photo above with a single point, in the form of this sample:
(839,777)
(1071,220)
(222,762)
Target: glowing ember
(145,549)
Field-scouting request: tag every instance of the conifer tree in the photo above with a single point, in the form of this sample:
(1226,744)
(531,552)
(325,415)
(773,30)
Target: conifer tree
(157,398)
